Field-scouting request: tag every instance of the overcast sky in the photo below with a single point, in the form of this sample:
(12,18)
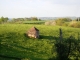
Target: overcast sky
(39,8)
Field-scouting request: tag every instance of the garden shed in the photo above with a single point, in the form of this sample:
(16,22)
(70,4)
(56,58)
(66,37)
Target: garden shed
(33,32)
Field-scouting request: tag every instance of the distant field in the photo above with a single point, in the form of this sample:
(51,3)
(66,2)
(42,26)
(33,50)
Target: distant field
(14,43)
(34,22)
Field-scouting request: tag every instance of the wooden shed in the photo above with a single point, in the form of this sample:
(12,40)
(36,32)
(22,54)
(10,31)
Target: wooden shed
(33,32)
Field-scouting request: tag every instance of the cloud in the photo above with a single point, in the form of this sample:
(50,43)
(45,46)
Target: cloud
(40,8)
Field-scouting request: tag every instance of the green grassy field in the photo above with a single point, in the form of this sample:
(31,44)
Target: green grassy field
(14,43)
(34,22)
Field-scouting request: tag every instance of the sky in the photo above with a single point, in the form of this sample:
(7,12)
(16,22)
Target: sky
(39,8)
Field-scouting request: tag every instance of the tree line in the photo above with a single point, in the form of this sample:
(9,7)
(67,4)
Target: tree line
(4,19)
(27,19)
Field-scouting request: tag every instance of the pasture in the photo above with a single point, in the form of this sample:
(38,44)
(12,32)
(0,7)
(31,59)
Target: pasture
(34,22)
(14,43)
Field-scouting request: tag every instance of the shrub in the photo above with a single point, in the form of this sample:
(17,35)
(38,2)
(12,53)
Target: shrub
(47,23)
(65,24)
(62,21)
(74,24)
(53,23)
(50,23)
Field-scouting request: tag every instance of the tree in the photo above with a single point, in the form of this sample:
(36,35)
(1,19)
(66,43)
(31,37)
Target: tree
(78,19)
(6,19)
(0,21)
(3,20)
(34,18)
(61,21)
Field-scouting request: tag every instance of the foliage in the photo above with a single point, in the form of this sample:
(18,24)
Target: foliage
(26,19)
(31,20)
(74,24)
(34,18)
(78,19)
(61,21)
(50,23)
(3,19)
(67,49)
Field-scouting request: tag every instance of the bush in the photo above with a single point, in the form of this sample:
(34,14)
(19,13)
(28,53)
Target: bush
(47,23)
(65,24)
(62,21)
(50,23)
(74,24)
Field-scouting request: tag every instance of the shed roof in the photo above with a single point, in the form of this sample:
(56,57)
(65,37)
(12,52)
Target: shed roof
(33,29)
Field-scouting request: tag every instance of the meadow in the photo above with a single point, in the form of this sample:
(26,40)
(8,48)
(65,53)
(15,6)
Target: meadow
(34,22)
(14,42)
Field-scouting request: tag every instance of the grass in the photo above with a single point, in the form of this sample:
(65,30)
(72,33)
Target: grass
(14,43)
(34,22)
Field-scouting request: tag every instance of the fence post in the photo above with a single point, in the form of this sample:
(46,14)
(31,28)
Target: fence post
(61,37)
(78,36)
